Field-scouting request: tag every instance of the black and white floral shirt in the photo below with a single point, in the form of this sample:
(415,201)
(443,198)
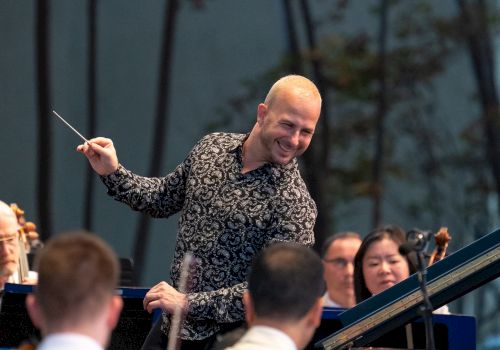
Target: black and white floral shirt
(226,218)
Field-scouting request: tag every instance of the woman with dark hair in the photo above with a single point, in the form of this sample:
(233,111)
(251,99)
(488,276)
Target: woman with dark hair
(378,264)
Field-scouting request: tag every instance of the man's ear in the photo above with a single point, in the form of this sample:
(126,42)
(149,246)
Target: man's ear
(261,113)
(249,311)
(115,309)
(316,312)
(34,310)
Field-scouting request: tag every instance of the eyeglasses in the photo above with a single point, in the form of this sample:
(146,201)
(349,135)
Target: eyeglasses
(338,262)
(9,239)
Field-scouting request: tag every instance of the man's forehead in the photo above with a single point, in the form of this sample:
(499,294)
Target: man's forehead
(345,243)
(6,235)
(8,226)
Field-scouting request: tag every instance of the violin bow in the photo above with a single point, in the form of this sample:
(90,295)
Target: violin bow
(175,324)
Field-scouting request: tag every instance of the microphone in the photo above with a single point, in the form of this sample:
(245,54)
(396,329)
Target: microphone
(416,240)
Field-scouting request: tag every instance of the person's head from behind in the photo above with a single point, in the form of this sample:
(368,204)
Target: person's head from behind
(9,242)
(285,286)
(378,264)
(77,276)
(338,254)
(287,119)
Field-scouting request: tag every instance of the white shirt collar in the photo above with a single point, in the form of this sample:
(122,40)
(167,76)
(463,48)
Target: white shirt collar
(65,341)
(272,337)
(329,302)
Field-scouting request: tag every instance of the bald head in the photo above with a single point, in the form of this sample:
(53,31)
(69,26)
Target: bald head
(298,84)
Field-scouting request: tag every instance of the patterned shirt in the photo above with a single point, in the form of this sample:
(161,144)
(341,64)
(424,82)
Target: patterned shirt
(226,218)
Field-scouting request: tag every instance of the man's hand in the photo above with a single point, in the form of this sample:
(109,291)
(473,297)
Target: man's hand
(101,154)
(166,297)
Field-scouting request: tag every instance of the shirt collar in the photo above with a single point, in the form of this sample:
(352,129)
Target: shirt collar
(269,168)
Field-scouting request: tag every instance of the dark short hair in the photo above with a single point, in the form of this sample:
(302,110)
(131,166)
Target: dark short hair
(77,273)
(340,235)
(392,232)
(285,281)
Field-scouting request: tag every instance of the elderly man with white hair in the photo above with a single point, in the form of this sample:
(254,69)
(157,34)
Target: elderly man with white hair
(10,250)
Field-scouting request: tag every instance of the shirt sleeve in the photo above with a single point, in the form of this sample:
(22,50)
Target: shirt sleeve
(159,197)
(222,305)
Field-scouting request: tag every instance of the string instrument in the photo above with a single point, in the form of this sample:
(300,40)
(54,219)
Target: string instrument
(28,237)
(442,237)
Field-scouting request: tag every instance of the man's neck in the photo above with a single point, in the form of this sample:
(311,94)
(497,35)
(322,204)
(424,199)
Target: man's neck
(249,153)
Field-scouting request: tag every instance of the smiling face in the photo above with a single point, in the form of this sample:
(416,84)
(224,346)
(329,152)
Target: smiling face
(287,124)
(383,266)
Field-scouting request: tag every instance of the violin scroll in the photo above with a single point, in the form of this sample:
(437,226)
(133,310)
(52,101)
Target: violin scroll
(442,237)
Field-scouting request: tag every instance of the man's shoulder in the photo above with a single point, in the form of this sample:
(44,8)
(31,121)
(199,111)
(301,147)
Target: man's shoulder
(221,140)
(224,136)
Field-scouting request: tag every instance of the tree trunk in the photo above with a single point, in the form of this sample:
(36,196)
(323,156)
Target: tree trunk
(44,161)
(317,158)
(161,123)
(381,112)
(92,117)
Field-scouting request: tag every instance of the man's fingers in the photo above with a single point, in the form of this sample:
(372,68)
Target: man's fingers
(150,307)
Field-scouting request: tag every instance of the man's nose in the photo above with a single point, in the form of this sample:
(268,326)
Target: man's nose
(294,138)
(350,268)
(4,249)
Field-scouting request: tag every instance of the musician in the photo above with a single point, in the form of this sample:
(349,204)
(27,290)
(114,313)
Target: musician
(338,253)
(10,250)
(378,265)
(283,303)
(74,304)
(236,193)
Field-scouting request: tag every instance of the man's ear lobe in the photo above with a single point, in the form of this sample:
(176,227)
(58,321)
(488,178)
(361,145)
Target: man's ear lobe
(316,312)
(34,310)
(249,312)
(115,309)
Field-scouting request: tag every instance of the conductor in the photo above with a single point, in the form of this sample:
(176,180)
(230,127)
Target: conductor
(236,194)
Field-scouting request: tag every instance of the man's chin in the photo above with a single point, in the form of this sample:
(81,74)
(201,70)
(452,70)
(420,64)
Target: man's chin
(283,160)
(7,270)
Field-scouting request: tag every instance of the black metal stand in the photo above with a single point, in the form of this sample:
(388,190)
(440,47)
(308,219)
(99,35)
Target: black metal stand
(426,308)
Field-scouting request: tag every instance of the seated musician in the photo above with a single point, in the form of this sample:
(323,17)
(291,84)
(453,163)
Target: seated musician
(74,303)
(10,249)
(338,253)
(283,303)
(378,264)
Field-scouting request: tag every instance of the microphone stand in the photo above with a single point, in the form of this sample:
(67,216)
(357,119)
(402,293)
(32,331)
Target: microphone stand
(425,309)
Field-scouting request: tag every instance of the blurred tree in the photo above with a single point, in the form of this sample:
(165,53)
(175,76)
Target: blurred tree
(476,30)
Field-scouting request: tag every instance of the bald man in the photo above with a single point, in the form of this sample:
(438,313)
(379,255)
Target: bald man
(236,193)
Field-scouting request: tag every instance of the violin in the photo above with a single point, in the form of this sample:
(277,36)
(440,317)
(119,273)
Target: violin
(442,237)
(28,238)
